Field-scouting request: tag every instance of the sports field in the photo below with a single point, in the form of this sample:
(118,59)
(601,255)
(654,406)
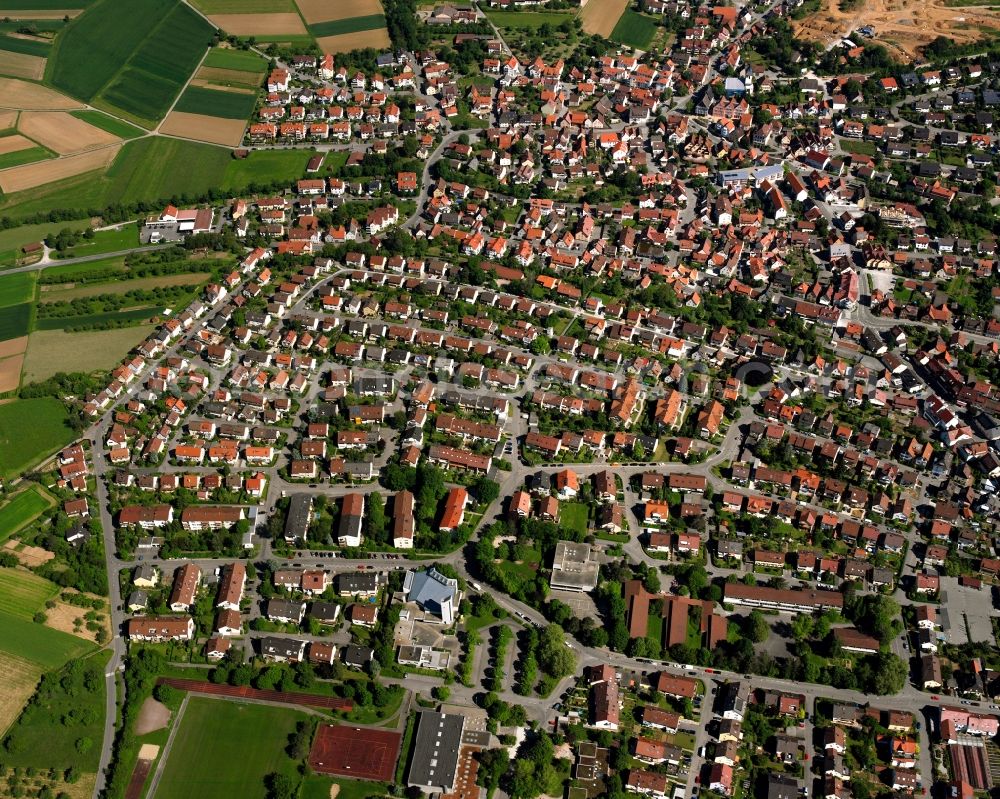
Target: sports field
(31,429)
(226,748)
(358,752)
(23,508)
(41,645)
(24,593)
(634,29)
(53,351)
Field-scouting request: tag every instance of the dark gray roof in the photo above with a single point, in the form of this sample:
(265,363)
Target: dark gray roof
(435,752)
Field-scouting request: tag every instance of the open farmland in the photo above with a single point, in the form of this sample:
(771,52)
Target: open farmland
(21,65)
(21,95)
(11,144)
(30,176)
(42,5)
(10,372)
(215,103)
(19,510)
(40,644)
(136,67)
(226,748)
(243,6)
(24,593)
(601,16)
(215,77)
(26,44)
(20,676)
(115,127)
(124,285)
(377,38)
(213,130)
(26,156)
(314,11)
(63,132)
(336,27)
(31,429)
(270,26)
(15,321)
(15,289)
(240,60)
(53,351)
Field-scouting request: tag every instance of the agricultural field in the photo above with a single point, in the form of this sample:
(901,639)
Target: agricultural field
(215,103)
(20,677)
(24,96)
(125,284)
(21,65)
(62,132)
(53,351)
(13,239)
(28,46)
(243,6)
(115,127)
(634,29)
(136,63)
(352,25)
(230,69)
(226,748)
(15,289)
(238,60)
(24,593)
(270,26)
(15,321)
(22,509)
(41,645)
(601,16)
(14,142)
(531,20)
(30,430)
(31,176)
(27,155)
(43,5)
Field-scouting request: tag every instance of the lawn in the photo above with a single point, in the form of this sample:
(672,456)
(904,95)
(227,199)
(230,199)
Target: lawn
(241,60)
(23,593)
(265,167)
(226,749)
(215,103)
(54,351)
(113,126)
(15,289)
(31,429)
(527,19)
(573,516)
(317,786)
(335,27)
(634,29)
(23,508)
(40,644)
(26,156)
(16,237)
(654,629)
(15,321)
(63,726)
(857,147)
(104,241)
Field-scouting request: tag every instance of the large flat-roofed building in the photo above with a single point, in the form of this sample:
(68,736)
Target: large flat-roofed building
(782,600)
(574,567)
(299,516)
(434,765)
(433,592)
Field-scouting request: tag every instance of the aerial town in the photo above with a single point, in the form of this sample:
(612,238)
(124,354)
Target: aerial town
(587,414)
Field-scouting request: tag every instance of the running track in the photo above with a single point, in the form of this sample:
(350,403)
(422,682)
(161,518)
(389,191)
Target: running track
(245,692)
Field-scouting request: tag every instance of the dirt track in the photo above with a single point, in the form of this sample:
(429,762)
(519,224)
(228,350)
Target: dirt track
(904,26)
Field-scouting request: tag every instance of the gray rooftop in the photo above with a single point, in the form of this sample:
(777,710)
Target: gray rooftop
(435,752)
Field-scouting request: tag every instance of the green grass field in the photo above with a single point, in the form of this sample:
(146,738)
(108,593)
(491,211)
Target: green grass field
(215,103)
(104,241)
(317,786)
(15,289)
(573,516)
(242,60)
(527,19)
(31,429)
(226,749)
(27,46)
(244,6)
(16,237)
(23,593)
(27,156)
(22,509)
(634,29)
(265,166)
(91,270)
(42,5)
(336,27)
(113,126)
(134,62)
(133,315)
(63,726)
(40,644)
(158,168)
(15,321)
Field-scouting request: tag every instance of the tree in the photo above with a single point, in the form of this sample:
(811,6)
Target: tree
(757,628)
(376,517)
(280,786)
(486,490)
(554,656)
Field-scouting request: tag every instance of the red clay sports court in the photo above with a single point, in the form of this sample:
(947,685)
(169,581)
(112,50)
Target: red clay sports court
(355,752)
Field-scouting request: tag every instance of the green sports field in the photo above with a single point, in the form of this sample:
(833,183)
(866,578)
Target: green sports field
(16,513)
(15,289)
(225,749)
(336,27)
(634,29)
(23,593)
(31,429)
(215,103)
(40,644)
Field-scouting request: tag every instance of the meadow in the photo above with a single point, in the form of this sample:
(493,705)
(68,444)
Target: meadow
(20,676)
(16,237)
(15,321)
(241,60)
(226,748)
(335,27)
(527,19)
(634,29)
(53,351)
(22,509)
(31,429)
(15,289)
(24,593)
(103,241)
(41,645)
(115,127)
(214,103)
